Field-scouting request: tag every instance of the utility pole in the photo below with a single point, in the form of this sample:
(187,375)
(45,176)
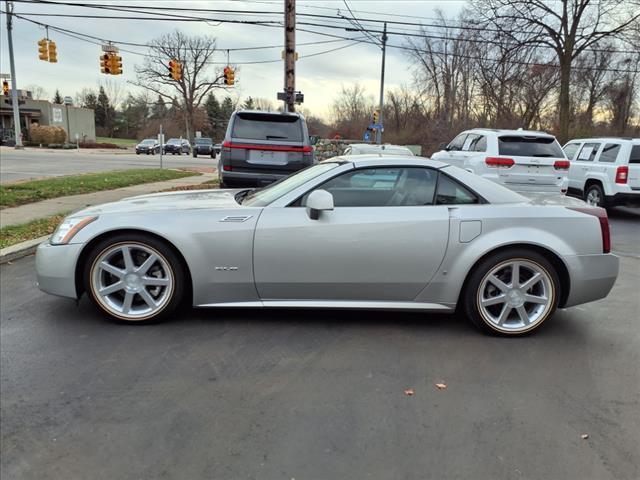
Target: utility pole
(381,106)
(289,55)
(14,83)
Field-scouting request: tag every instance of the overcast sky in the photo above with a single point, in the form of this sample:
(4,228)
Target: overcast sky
(319,77)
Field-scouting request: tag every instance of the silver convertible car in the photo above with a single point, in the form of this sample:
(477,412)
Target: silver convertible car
(363,231)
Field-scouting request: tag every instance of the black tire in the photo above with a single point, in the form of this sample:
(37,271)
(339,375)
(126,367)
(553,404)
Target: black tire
(470,302)
(174,262)
(595,190)
(137,153)
(195,155)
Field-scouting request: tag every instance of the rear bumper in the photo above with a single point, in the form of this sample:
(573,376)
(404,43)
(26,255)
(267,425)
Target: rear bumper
(251,179)
(56,268)
(632,199)
(592,277)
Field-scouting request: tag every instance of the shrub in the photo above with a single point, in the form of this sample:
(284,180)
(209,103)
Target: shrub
(47,134)
(98,145)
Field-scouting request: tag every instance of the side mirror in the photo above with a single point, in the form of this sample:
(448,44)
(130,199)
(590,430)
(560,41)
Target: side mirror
(442,146)
(318,201)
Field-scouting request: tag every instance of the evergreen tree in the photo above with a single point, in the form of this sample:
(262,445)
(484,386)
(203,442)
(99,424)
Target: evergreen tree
(212,109)
(159,109)
(58,98)
(90,101)
(104,112)
(248,104)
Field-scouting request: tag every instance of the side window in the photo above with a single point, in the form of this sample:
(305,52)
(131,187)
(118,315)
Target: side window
(570,150)
(480,144)
(383,187)
(457,143)
(451,192)
(588,152)
(469,142)
(609,152)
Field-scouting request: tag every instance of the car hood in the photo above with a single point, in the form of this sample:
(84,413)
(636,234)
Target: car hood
(183,200)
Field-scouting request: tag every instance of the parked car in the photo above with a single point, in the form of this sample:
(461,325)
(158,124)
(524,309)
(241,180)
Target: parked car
(365,148)
(522,160)
(149,146)
(203,146)
(262,147)
(333,235)
(217,148)
(605,171)
(177,146)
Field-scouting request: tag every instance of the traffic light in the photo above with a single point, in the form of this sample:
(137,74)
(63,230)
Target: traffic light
(43,50)
(229,75)
(115,64)
(376,116)
(175,69)
(53,53)
(5,87)
(105,63)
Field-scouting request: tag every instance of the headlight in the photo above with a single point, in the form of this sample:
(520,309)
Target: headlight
(68,228)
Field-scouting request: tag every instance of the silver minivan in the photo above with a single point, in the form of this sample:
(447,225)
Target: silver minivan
(262,147)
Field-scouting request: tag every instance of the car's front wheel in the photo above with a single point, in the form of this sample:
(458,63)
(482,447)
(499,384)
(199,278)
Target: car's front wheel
(511,293)
(134,278)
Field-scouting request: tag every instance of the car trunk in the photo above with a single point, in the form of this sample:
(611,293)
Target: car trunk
(537,161)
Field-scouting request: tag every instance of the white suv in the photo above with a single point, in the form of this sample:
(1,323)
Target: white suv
(522,160)
(605,171)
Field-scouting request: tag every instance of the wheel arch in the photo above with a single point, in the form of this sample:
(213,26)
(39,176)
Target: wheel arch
(86,250)
(552,257)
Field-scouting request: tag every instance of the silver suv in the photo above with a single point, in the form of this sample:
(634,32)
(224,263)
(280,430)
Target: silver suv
(262,147)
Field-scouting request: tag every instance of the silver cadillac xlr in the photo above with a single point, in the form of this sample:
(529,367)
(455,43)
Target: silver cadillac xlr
(364,231)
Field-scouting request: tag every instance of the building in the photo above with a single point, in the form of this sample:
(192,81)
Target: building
(76,121)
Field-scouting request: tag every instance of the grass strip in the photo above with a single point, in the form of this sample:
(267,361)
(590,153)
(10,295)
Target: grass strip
(125,142)
(27,231)
(21,193)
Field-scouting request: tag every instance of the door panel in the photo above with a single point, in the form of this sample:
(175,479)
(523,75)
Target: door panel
(350,253)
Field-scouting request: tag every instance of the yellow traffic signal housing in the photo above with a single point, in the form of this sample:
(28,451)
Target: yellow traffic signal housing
(43,50)
(105,63)
(376,116)
(53,53)
(178,67)
(229,75)
(115,64)
(5,87)
(175,69)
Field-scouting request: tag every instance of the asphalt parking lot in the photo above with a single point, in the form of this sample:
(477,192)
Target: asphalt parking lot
(285,394)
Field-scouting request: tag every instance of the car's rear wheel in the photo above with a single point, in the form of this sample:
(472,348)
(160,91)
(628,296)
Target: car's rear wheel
(134,278)
(512,293)
(594,195)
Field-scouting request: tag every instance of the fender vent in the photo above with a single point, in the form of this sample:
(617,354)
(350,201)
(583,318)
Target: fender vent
(236,218)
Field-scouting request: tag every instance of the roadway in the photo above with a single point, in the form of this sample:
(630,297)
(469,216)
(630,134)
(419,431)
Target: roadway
(34,163)
(285,394)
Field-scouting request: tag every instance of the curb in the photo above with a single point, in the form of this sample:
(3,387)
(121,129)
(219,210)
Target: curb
(20,250)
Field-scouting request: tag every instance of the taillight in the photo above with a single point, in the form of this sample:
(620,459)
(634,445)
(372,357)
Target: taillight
(561,164)
(227,168)
(622,174)
(226,144)
(601,213)
(496,162)
(307,149)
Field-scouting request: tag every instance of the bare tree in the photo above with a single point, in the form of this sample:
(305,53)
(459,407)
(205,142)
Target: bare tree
(263,104)
(352,111)
(37,92)
(565,27)
(195,54)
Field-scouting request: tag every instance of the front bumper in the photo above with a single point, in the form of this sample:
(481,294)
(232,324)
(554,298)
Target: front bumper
(592,277)
(56,268)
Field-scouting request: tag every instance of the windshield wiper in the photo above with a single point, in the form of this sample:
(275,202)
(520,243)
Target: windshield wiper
(543,155)
(274,136)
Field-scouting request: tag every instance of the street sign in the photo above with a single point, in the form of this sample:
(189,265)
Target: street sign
(367,136)
(198,134)
(377,126)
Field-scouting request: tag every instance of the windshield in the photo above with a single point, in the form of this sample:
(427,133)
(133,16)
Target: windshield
(204,141)
(174,140)
(148,141)
(263,197)
(529,146)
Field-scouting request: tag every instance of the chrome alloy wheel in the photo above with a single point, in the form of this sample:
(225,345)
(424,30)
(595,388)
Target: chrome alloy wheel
(593,197)
(515,296)
(132,281)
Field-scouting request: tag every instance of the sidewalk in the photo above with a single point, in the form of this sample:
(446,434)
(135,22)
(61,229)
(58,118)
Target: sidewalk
(34,211)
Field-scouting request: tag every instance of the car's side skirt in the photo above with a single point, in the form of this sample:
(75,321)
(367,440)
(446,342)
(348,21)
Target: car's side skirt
(340,304)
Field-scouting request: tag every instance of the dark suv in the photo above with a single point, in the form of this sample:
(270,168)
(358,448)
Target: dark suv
(262,147)
(203,146)
(177,146)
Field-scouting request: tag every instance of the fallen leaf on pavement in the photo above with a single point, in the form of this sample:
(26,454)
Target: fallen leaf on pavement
(441,386)
(584,436)
(409,391)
